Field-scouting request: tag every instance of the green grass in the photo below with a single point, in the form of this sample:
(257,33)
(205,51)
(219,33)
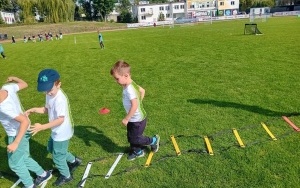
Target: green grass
(199,80)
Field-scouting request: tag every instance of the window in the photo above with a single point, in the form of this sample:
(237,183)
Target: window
(232,2)
(221,3)
(167,8)
(167,15)
(192,6)
(143,10)
(161,8)
(181,6)
(176,7)
(143,17)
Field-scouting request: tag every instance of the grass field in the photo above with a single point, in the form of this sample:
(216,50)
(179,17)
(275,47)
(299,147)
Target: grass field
(200,80)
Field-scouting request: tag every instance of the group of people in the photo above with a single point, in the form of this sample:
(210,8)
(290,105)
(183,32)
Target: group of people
(48,37)
(17,125)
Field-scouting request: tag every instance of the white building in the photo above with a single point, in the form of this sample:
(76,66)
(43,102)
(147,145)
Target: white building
(189,9)
(7,17)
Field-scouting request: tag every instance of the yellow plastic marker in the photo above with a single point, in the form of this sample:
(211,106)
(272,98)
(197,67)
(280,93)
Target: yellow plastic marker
(237,136)
(149,159)
(175,145)
(210,151)
(268,131)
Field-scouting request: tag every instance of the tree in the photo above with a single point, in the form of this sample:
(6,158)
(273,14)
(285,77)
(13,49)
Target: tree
(102,8)
(161,17)
(1,20)
(26,15)
(56,11)
(124,10)
(87,8)
(6,5)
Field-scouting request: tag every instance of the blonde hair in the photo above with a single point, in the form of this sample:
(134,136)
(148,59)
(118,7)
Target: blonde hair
(121,68)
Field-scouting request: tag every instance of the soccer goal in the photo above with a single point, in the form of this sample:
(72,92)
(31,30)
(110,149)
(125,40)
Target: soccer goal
(251,29)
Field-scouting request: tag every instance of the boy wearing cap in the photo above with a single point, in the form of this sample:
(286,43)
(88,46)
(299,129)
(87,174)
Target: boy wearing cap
(16,124)
(60,122)
(135,119)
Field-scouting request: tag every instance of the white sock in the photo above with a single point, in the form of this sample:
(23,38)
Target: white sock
(43,174)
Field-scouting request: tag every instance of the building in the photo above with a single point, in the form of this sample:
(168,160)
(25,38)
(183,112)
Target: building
(146,12)
(7,17)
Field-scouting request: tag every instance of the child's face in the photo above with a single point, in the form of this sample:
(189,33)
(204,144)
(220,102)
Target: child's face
(54,90)
(121,79)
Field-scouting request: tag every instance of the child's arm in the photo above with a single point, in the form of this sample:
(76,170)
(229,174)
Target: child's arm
(134,106)
(24,122)
(38,110)
(37,127)
(21,83)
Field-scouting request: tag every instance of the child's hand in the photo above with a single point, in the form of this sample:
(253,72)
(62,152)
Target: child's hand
(28,112)
(125,122)
(37,127)
(10,79)
(12,147)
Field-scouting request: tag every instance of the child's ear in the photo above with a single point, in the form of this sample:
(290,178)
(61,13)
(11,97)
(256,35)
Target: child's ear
(58,85)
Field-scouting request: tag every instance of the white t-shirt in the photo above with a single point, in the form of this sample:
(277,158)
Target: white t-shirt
(129,93)
(58,106)
(10,108)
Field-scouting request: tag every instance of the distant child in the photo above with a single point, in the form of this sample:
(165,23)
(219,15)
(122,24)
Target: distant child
(135,119)
(16,124)
(60,36)
(60,121)
(13,40)
(101,42)
(25,39)
(2,51)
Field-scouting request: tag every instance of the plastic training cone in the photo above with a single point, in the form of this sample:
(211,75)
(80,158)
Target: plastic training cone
(104,111)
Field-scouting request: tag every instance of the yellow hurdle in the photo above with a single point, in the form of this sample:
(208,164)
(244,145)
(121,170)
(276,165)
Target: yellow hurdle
(149,159)
(175,145)
(210,151)
(268,131)
(237,136)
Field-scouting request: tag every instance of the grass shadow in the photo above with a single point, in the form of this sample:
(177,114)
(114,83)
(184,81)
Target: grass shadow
(92,134)
(249,108)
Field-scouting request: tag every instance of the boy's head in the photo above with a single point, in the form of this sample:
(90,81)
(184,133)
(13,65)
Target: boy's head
(121,72)
(47,79)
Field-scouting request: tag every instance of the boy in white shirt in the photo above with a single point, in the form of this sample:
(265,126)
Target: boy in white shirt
(60,122)
(135,119)
(16,124)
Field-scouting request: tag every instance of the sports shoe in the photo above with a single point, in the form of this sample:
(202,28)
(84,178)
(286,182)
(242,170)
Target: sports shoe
(135,155)
(74,165)
(40,180)
(155,146)
(62,180)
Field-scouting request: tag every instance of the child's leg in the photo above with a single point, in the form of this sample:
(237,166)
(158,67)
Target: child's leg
(30,163)
(60,155)
(135,136)
(2,53)
(17,164)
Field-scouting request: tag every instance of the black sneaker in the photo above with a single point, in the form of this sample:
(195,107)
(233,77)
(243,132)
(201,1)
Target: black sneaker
(135,155)
(62,180)
(155,146)
(74,165)
(40,180)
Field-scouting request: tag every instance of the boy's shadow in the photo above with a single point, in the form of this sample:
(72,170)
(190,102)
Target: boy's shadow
(249,108)
(92,134)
